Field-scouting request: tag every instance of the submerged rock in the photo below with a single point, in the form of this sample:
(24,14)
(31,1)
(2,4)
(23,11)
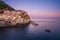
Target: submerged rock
(47,30)
(14,17)
(33,23)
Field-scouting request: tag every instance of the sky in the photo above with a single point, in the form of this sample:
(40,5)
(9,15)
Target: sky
(37,8)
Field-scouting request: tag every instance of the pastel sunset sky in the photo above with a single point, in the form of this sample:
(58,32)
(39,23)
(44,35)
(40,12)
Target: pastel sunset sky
(37,8)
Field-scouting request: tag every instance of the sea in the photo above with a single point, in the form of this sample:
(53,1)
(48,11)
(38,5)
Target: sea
(32,32)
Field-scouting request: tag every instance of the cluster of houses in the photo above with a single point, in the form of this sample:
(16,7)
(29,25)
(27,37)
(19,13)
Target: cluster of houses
(13,16)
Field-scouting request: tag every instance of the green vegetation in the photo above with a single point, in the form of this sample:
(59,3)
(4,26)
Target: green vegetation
(4,5)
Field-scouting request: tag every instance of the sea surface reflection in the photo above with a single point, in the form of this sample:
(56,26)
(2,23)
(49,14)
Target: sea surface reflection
(31,32)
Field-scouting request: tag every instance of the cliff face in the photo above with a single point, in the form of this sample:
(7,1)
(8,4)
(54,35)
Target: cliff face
(4,5)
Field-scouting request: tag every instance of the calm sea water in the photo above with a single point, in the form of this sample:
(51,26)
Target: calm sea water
(31,32)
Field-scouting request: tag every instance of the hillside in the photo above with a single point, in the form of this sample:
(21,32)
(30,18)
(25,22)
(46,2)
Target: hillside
(4,5)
